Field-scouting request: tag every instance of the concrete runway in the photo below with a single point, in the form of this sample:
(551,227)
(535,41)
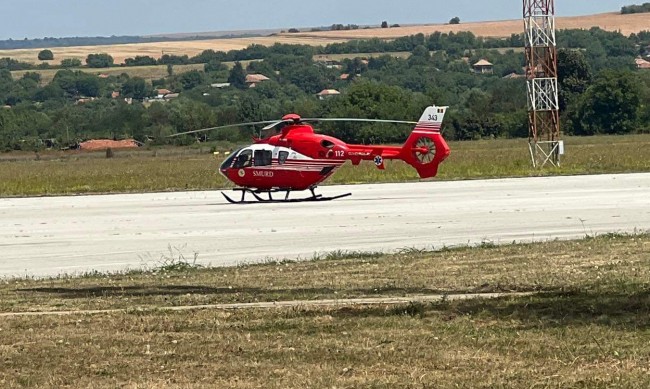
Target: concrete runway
(54,235)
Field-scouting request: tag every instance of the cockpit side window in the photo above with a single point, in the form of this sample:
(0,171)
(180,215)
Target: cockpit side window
(282,157)
(263,157)
(244,159)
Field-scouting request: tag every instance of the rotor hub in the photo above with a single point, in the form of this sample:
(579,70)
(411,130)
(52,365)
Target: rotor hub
(292,117)
(424,150)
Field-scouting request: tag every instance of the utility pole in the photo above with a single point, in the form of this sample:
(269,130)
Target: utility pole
(544,141)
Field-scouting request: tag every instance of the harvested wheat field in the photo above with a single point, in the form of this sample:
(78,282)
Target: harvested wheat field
(627,24)
(156,49)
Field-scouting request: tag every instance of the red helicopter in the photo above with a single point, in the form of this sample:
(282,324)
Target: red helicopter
(298,159)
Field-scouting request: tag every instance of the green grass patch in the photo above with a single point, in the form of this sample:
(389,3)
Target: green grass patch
(152,72)
(52,173)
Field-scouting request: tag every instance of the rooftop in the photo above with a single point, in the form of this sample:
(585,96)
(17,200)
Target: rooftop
(252,78)
(483,62)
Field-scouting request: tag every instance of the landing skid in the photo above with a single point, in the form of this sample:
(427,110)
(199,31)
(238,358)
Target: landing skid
(259,200)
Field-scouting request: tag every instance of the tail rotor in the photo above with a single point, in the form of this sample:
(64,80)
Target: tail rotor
(425,149)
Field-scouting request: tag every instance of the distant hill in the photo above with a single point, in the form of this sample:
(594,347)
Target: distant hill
(626,24)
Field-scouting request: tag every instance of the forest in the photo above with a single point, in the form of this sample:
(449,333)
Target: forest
(601,91)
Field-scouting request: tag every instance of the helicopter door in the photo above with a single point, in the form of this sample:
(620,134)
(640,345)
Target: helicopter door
(244,159)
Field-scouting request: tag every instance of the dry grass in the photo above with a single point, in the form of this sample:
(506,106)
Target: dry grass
(587,328)
(195,169)
(626,24)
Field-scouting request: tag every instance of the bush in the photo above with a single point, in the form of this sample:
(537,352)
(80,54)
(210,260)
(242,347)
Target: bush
(141,61)
(71,63)
(45,55)
(455,20)
(99,60)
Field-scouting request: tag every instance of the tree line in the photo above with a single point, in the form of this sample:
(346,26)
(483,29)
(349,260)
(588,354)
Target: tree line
(636,9)
(50,42)
(600,93)
(597,42)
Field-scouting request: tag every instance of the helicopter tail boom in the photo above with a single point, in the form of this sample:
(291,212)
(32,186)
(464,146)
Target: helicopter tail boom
(425,148)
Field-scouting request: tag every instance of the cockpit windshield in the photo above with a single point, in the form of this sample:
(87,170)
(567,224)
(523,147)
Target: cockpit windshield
(244,159)
(228,162)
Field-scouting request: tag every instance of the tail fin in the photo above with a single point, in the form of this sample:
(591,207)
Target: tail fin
(425,149)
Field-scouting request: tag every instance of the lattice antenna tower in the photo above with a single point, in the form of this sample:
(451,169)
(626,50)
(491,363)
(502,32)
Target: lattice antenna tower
(541,73)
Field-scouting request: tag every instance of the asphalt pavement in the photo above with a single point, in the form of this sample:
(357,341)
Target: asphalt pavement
(53,235)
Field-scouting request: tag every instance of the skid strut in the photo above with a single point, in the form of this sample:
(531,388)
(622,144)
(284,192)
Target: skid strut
(257,194)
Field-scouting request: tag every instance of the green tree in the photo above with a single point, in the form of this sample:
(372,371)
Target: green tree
(374,100)
(192,79)
(310,79)
(88,85)
(237,77)
(51,91)
(77,84)
(208,56)
(384,24)
(99,60)
(214,65)
(574,76)
(420,56)
(45,55)
(455,20)
(609,106)
(187,115)
(136,88)
(32,76)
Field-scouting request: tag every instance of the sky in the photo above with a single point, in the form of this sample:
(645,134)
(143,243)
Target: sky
(60,18)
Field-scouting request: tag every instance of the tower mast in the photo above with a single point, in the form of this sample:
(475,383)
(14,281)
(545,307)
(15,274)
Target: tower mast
(542,85)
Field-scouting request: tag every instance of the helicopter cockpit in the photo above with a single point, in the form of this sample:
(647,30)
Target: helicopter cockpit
(251,156)
(228,163)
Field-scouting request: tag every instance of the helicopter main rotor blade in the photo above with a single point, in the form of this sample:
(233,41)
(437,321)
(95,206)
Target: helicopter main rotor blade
(358,120)
(222,127)
(275,124)
(271,124)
